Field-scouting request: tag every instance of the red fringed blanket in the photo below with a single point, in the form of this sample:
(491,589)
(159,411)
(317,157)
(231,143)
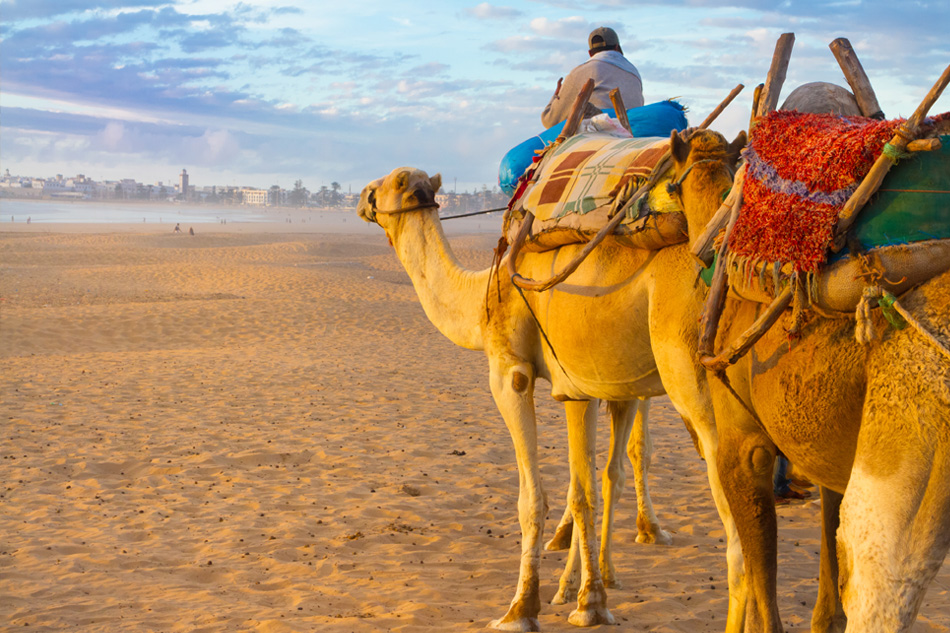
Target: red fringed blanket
(802,168)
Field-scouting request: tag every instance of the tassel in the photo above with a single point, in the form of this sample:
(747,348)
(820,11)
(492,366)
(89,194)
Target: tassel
(864,330)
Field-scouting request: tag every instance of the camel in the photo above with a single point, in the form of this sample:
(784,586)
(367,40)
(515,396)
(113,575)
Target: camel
(828,616)
(608,333)
(869,423)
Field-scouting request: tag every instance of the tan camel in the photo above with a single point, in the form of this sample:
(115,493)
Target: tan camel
(871,423)
(594,346)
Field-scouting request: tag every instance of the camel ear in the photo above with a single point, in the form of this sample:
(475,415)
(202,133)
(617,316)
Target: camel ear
(367,205)
(401,181)
(735,147)
(436,182)
(678,147)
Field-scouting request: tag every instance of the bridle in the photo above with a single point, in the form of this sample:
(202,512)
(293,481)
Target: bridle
(415,207)
(676,186)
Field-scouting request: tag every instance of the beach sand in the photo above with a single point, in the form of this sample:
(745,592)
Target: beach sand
(257,429)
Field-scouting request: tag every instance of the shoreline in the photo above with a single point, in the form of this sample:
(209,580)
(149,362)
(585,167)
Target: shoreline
(341,225)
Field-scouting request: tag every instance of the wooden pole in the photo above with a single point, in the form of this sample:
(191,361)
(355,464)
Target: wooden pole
(577,111)
(718,291)
(882,165)
(925,145)
(620,110)
(741,346)
(722,106)
(857,78)
(776,76)
(756,97)
(702,249)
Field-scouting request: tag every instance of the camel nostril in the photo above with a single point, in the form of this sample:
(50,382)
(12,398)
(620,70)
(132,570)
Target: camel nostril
(423,196)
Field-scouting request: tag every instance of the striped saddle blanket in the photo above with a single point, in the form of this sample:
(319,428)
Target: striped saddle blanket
(575,190)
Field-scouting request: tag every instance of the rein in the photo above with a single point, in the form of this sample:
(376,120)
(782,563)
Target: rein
(435,205)
(416,207)
(674,187)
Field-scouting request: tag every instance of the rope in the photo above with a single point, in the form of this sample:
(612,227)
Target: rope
(497,255)
(895,153)
(415,207)
(917,325)
(466,215)
(896,314)
(435,205)
(675,186)
(543,334)
(724,379)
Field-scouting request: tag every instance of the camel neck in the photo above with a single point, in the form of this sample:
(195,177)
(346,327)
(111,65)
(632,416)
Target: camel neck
(453,298)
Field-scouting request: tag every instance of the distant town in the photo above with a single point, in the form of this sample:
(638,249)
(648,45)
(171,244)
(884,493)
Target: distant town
(80,187)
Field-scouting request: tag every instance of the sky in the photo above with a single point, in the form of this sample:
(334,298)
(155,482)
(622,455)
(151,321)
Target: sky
(265,92)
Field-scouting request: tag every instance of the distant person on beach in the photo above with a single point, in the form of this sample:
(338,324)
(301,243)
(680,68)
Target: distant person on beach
(191,230)
(608,68)
(177,229)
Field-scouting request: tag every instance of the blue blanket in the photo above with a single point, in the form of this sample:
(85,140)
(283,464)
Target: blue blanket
(655,119)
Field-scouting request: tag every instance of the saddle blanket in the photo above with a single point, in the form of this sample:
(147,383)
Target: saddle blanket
(802,168)
(587,171)
(654,119)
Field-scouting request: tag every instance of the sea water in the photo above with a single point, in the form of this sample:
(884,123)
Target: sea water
(98,212)
(90,212)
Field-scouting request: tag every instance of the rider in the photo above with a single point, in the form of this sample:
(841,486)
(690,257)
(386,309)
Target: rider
(608,68)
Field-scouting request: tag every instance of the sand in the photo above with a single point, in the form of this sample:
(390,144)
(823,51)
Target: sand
(257,429)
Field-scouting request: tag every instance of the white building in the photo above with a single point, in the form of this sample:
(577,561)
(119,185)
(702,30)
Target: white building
(256,197)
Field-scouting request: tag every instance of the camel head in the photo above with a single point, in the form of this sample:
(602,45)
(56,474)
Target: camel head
(704,164)
(404,189)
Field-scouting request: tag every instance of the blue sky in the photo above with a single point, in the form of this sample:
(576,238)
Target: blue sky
(266,92)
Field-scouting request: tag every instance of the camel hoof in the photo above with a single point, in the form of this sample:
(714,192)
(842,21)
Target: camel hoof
(561,540)
(612,583)
(564,595)
(657,537)
(520,625)
(591,617)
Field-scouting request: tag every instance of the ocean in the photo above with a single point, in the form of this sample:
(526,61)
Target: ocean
(91,212)
(98,212)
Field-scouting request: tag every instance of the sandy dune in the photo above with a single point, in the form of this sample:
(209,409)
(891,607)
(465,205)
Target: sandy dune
(260,431)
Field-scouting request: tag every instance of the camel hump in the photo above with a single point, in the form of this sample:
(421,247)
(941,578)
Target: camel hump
(820,97)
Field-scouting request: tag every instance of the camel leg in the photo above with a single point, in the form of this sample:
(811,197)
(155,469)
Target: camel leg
(562,533)
(895,516)
(894,536)
(708,443)
(828,616)
(614,478)
(582,432)
(694,404)
(640,450)
(512,387)
(745,460)
(568,584)
(735,561)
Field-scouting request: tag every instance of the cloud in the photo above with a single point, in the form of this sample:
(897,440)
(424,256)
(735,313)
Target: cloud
(486,11)
(286,91)
(16,10)
(573,27)
(525,44)
(432,69)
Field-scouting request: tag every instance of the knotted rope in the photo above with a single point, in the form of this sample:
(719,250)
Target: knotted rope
(898,317)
